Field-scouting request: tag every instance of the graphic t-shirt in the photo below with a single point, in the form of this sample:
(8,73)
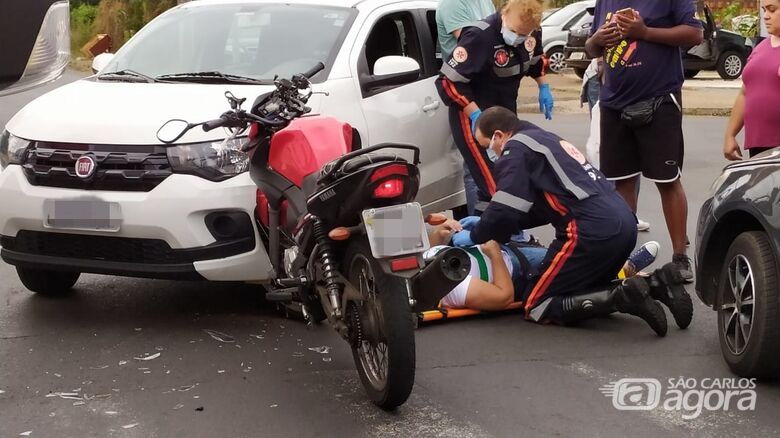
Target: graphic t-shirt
(637,70)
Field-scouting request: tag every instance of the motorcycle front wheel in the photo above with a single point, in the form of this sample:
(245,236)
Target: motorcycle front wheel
(381,329)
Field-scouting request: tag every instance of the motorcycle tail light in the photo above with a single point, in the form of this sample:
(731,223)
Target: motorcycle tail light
(390,188)
(392,169)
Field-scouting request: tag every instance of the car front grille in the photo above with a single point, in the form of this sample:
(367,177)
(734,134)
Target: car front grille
(118,167)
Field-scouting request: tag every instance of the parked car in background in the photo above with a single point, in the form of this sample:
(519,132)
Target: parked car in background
(87,187)
(737,270)
(548,12)
(555,31)
(722,50)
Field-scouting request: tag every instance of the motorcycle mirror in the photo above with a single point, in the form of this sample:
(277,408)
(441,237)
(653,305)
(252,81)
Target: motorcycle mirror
(173,130)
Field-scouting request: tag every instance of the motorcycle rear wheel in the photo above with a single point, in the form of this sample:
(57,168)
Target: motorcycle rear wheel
(382,329)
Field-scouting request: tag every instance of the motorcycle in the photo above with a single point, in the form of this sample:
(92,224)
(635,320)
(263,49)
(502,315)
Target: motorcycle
(341,228)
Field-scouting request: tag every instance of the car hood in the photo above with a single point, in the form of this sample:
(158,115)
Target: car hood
(90,111)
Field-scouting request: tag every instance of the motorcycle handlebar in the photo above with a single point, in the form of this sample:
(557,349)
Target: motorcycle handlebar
(213,124)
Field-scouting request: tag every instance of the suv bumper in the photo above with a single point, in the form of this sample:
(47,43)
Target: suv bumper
(168,232)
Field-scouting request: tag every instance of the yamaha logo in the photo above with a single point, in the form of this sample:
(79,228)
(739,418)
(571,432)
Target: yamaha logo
(85,166)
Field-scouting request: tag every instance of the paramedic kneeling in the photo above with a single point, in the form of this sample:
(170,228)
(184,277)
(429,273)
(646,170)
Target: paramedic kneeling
(542,179)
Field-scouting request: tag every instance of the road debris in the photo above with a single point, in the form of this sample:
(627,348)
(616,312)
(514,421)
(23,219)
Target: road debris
(327,359)
(130,426)
(219,336)
(321,350)
(99,367)
(111,412)
(28,433)
(148,357)
(177,407)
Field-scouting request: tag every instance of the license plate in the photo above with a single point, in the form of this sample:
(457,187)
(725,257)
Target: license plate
(577,56)
(82,214)
(396,230)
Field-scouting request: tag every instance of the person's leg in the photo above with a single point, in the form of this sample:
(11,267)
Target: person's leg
(662,153)
(474,157)
(470,187)
(752,152)
(619,155)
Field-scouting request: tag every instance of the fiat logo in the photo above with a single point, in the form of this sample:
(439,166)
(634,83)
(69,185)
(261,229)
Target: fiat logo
(85,166)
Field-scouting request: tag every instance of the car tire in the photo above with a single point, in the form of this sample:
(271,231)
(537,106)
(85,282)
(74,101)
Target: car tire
(730,65)
(46,282)
(580,72)
(748,307)
(556,60)
(690,74)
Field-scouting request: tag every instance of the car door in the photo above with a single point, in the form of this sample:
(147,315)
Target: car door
(410,112)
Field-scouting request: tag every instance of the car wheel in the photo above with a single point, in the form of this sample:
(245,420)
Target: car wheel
(730,65)
(748,307)
(556,60)
(580,72)
(47,282)
(690,74)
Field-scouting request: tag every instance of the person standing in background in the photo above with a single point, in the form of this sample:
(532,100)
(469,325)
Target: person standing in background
(757,107)
(451,17)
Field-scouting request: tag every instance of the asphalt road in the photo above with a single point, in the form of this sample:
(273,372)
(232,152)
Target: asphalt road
(496,376)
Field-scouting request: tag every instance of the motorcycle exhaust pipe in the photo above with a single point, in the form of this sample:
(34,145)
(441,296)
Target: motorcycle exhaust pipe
(447,269)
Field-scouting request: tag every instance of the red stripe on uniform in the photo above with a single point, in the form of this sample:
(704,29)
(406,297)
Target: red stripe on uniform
(555,267)
(555,204)
(465,124)
(452,92)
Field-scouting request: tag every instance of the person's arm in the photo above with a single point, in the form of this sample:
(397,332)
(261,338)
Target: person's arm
(482,295)
(466,61)
(509,208)
(442,234)
(682,35)
(737,121)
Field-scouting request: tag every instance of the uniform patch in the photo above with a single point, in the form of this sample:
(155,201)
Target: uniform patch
(460,54)
(530,44)
(573,152)
(453,63)
(501,57)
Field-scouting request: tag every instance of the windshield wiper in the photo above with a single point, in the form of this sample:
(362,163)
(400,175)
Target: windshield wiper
(210,76)
(127,74)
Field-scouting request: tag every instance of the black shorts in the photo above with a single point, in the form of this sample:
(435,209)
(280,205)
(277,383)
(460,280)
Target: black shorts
(654,151)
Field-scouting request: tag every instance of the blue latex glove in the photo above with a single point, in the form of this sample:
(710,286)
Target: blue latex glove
(545,101)
(474,116)
(462,238)
(469,222)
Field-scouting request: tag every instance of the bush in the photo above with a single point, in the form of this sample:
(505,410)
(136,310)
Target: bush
(82,17)
(120,19)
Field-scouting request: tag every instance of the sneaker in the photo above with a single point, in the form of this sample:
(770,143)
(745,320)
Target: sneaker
(683,264)
(635,300)
(642,225)
(672,293)
(644,256)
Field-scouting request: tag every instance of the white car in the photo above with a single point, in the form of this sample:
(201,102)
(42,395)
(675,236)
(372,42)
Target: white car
(555,31)
(88,188)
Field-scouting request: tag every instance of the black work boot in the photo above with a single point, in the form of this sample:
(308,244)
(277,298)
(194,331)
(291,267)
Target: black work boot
(668,288)
(576,308)
(633,297)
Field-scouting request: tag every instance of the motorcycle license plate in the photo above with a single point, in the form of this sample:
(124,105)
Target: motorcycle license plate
(82,214)
(396,230)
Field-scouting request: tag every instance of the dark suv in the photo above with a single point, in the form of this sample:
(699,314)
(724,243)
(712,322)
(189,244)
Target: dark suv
(722,50)
(737,271)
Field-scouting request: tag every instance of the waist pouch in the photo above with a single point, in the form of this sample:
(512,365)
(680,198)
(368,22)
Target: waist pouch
(642,112)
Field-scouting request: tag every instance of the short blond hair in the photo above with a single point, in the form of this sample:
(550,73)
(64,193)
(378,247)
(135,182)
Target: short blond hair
(530,10)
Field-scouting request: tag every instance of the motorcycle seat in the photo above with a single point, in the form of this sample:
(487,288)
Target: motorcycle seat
(360,161)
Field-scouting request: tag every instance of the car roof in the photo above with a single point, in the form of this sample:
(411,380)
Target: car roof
(337,3)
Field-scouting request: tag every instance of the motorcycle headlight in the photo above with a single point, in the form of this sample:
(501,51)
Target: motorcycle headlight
(12,149)
(214,160)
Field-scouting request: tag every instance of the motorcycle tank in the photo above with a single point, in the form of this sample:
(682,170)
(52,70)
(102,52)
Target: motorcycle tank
(307,144)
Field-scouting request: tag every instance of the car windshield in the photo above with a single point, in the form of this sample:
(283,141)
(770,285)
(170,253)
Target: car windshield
(257,41)
(563,15)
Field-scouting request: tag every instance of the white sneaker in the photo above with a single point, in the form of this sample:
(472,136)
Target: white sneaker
(642,225)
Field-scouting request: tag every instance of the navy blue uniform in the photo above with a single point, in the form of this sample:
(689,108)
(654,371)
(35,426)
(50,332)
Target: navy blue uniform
(485,70)
(542,179)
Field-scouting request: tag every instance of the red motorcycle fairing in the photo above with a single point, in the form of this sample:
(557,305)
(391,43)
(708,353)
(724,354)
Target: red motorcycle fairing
(302,148)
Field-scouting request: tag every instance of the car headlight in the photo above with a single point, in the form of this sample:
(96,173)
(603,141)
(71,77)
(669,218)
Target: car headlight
(213,160)
(12,149)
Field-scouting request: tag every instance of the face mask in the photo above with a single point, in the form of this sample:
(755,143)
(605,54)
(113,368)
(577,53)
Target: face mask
(490,152)
(512,38)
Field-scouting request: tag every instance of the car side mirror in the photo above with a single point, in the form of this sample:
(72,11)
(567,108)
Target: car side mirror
(391,71)
(101,61)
